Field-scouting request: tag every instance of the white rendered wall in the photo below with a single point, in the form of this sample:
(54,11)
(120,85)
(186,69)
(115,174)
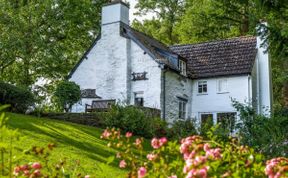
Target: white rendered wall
(151,88)
(176,86)
(237,88)
(105,68)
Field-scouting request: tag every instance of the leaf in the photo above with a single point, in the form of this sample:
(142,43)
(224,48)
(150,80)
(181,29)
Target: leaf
(110,160)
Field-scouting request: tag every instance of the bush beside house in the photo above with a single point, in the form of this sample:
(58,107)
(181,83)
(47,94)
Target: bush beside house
(20,99)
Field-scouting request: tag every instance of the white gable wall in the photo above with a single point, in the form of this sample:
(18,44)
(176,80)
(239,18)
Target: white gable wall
(238,88)
(105,68)
(108,69)
(151,88)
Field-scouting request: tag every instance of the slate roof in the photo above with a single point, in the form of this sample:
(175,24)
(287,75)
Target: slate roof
(233,56)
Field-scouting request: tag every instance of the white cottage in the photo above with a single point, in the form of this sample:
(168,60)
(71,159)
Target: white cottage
(183,81)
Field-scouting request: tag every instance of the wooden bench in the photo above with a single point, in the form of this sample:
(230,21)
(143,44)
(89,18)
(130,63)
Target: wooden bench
(99,106)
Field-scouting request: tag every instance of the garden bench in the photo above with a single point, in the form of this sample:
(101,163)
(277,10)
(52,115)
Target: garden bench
(99,106)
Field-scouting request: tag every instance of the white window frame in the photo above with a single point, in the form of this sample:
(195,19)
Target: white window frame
(182,67)
(182,112)
(202,85)
(222,86)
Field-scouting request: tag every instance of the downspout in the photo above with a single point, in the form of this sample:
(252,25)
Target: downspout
(164,92)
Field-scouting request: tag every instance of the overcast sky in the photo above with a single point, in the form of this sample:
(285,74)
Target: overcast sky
(133,10)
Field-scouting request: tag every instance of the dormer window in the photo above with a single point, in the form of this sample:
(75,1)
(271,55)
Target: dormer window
(182,67)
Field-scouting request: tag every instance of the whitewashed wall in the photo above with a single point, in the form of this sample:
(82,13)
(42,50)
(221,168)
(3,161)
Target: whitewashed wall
(108,69)
(105,68)
(142,62)
(176,86)
(238,88)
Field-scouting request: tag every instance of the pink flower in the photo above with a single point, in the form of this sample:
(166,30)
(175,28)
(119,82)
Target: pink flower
(151,157)
(26,173)
(36,165)
(155,143)
(138,142)
(141,172)
(191,173)
(202,173)
(128,134)
(87,176)
(106,134)
(37,173)
(206,147)
(122,164)
(24,167)
(16,171)
(163,140)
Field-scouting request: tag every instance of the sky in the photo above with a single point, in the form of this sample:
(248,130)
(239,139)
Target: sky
(133,10)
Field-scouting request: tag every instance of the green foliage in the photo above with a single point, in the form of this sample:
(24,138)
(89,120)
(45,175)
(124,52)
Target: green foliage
(182,128)
(7,145)
(168,13)
(266,135)
(19,98)
(67,93)
(133,119)
(45,38)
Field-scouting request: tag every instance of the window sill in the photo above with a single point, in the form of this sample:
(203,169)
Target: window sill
(199,94)
(223,92)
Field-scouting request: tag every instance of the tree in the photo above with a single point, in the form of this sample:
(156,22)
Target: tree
(67,93)
(276,37)
(44,38)
(206,20)
(168,13)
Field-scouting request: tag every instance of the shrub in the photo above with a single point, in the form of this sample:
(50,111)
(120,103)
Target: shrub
(266,135)
(133,119)
(182,128)
(20,99)
(67,93)
(191,158)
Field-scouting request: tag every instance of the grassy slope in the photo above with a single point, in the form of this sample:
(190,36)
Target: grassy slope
(74,142)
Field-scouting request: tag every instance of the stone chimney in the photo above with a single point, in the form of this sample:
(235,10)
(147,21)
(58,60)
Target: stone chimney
(115,11)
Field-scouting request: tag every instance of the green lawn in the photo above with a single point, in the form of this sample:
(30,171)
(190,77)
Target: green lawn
(74,142)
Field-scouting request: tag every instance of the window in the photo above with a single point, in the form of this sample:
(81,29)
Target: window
(182,108)
(227,121)
(138,99)
(222,86)
(182,67)
(202,87)
(206,122)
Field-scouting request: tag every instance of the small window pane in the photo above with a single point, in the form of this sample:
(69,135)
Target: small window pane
(202,87)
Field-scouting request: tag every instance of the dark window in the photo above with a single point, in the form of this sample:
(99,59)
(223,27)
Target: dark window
(227,121)
(139,100)
(182,109)
(202,87)
(206,122)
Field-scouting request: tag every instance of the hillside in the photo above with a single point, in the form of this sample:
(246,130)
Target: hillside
(74,142)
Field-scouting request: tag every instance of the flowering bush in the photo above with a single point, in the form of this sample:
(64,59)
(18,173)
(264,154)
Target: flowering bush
(191,157)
